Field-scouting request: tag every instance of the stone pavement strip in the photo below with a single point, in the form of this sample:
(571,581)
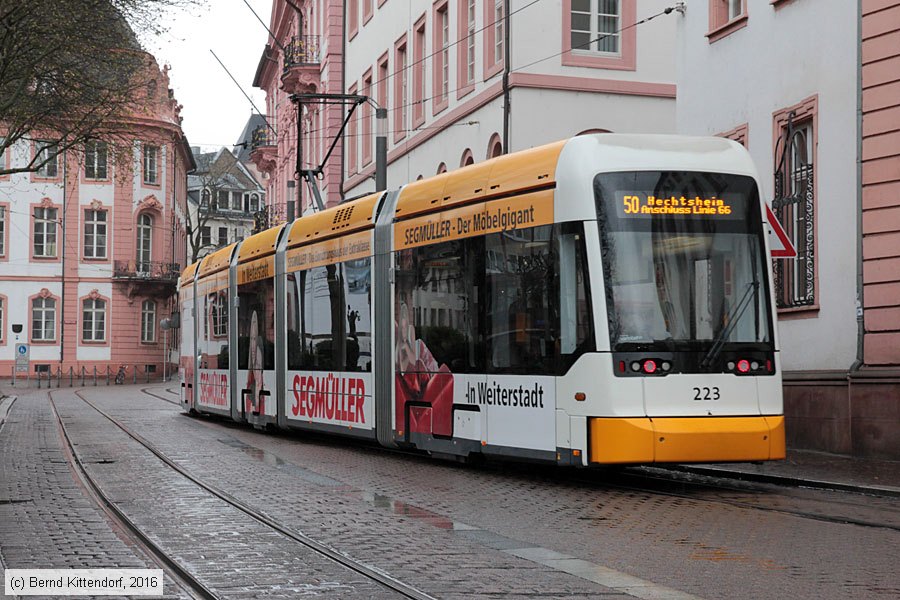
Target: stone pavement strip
(47,520)
(232,554)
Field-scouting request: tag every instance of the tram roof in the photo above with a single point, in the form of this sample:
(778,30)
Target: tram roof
(520,171)
(218,260)
(189,271)
(343,218)
(259,244)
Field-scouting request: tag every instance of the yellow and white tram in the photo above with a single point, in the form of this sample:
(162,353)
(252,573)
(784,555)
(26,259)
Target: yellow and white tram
(605,299)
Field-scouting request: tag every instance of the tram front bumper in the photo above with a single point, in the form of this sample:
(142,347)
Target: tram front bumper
(685,439)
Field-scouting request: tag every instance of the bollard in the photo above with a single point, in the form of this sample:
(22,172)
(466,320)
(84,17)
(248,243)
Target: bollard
(108,371)
(39,379)
(58,376)
(71,375)
(82,375)
(147,373)
(134,376)
(95,375)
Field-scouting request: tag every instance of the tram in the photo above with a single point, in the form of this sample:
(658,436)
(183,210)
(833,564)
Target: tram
(605,299)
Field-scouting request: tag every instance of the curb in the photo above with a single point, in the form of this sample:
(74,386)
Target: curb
(878,490)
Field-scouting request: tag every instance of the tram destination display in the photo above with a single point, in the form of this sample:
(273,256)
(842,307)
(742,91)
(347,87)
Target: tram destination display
(638,205)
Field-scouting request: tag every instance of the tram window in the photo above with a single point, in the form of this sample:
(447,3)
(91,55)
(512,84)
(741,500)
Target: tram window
(438,307)
(256,323)
(576,326)
(522,296)
(329,322)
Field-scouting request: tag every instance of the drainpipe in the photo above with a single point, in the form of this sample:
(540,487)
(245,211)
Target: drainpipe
(62,279)
(860,322)
(343,91)
(506,68)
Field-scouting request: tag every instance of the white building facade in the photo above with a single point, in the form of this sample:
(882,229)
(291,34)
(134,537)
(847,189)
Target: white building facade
(786,78)
(441,71)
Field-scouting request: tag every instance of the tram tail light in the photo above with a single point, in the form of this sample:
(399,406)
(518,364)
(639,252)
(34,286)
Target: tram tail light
(649,366)
(621,366)
(743,366)
(769,366)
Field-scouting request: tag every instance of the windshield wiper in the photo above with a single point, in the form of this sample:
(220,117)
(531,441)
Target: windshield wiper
(733,317)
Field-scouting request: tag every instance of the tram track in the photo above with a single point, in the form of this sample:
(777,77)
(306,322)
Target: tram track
(320,548)
(681,484)
(181,576)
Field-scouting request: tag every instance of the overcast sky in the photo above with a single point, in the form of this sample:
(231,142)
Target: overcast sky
(215,111)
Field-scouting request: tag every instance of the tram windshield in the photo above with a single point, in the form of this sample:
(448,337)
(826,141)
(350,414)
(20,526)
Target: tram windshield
(684,260)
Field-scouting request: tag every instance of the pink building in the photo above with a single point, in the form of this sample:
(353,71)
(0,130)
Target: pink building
(304,57)
(92,244)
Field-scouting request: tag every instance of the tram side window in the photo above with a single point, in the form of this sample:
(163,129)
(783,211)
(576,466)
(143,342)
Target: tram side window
(438,294)
(329,322)
(523,301)
(576,325)
(256,325)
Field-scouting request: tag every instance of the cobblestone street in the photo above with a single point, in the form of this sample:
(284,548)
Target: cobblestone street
(439,529)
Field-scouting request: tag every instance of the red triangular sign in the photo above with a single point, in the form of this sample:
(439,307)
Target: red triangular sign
(779,243)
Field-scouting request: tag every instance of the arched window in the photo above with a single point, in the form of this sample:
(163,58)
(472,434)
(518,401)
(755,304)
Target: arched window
(204,199)
(442,168)
(254,203)
(495,147)
(144,242)
(467,158)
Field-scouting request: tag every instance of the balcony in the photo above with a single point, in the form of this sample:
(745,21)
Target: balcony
(144,276)
(263,148)
(301,74)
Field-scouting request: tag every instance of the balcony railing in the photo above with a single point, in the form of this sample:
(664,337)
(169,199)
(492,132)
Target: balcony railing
(261,136)
(301,50)
(215,211)
(146,271)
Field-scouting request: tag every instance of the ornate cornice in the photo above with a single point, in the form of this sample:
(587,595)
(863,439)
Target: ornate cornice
(150,203)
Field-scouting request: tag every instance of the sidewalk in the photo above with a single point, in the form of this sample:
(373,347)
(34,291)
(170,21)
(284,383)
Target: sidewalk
(802,467)
(816,469)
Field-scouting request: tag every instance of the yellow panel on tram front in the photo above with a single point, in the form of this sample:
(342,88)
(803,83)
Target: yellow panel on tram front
(686,439)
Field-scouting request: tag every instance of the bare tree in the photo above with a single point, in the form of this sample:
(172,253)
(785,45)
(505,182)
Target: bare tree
(211,176)
(72,71)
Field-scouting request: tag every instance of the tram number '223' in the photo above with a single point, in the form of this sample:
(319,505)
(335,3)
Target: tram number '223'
(706,393)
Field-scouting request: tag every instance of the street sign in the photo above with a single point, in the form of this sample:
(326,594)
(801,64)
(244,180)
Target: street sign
(779,242)
(22,357)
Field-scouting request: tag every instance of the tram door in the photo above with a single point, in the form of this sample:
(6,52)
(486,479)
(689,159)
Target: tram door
(188,336)
(256,342)
(437,312)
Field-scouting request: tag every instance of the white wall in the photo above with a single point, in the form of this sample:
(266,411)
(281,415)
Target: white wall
(538,116)
(782,57)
